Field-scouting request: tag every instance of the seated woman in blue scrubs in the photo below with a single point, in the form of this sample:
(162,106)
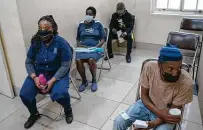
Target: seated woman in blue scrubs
(50,55)
(90,34)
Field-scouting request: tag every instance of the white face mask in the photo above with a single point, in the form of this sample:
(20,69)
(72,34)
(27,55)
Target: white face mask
(89,18)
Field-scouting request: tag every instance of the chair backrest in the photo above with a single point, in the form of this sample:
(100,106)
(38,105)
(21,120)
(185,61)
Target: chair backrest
(72,51)
(184,67)
(186,41)
(107,37)
(192,24)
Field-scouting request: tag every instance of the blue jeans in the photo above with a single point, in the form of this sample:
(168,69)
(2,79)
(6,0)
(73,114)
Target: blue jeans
(138,111)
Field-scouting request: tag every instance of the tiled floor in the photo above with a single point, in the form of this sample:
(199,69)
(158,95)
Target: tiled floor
(95,111)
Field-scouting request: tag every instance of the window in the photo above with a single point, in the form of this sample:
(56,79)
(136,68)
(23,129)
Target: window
(179,5)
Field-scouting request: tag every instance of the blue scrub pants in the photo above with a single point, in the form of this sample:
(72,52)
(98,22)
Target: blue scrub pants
(59,93)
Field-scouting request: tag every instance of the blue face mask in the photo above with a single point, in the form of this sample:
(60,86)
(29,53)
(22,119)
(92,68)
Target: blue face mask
(89,18)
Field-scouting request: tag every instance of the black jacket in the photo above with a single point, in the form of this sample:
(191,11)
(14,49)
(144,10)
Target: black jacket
(124,23)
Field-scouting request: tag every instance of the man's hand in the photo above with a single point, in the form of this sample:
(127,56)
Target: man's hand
(114,31)
(50,84)
(37,84)
(168,118)
(124,34)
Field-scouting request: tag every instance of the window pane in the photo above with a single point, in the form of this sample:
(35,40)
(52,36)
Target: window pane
(200,4)
(161,4)
(190,4)
(174,4)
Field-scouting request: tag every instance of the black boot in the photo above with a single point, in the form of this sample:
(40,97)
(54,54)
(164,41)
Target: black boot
(128,59)
(31,120)
(110,56)
(69,116)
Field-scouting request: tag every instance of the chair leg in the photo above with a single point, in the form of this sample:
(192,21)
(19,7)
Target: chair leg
(101,67)
(76,72)
(79,96)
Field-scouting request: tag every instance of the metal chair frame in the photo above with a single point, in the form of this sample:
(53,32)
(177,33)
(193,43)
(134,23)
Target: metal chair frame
(61,114)
(138,95)
(194,25)
(132,33)
(101,67)
(197,50)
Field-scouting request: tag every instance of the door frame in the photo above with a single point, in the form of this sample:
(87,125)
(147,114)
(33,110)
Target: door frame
(10,91)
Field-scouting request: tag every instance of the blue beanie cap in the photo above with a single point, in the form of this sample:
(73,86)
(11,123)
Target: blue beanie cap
(170,53)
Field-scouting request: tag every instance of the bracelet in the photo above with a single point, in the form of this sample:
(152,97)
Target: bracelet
(34,77)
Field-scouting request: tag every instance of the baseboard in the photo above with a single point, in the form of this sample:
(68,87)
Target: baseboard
(148,46)
(16,91)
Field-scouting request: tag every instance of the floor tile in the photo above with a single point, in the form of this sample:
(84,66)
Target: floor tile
(89,76)
(93,111)
(136,62)
(145,53)
(9,106)
(186,125)
(16,121)
(124,73)
(130,98)
(192,111)
(109,124)
(62,125)
(112,89)
(55,107)
(117,59)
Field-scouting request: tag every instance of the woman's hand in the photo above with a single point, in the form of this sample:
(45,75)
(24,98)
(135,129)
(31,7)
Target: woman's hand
(101,43)
(83,46)
(80,45)
(50,84)
(37,84)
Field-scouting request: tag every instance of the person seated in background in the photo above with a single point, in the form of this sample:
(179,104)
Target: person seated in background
(164,85)
(90,34)
(49,55)
(121,21)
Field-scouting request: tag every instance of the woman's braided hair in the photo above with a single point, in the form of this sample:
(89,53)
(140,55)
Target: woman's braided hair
(49,18)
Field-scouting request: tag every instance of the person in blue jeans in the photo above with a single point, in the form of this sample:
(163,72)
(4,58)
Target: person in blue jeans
(50,55)
(164,85)
(90,33)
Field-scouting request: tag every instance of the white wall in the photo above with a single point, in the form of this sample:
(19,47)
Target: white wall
(11,34)
(5,84)
(68,13)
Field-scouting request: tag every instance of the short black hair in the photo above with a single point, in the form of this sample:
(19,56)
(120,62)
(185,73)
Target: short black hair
(93,10)
(120,6)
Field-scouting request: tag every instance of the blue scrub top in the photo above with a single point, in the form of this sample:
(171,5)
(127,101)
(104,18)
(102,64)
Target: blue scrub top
(90,34)
(47,60)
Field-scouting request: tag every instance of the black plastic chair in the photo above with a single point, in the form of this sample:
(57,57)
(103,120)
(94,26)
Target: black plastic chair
(192,24)
(188,43)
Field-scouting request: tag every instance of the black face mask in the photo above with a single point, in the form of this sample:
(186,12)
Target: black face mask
(45,35)
(170,78)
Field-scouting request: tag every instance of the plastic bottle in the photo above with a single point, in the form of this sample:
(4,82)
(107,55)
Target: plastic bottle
(43,83)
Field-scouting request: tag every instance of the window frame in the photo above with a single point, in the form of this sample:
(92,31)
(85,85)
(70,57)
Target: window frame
(180,10)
